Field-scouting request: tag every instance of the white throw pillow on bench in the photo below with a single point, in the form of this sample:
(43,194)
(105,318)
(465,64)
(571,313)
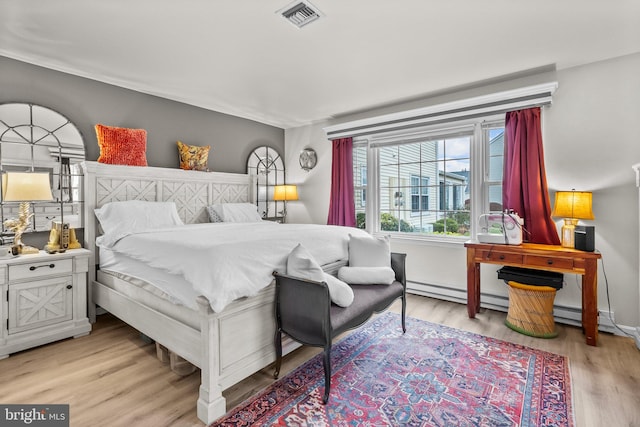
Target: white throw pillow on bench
(369,262)
(369,251)
(367,275)
(302,264)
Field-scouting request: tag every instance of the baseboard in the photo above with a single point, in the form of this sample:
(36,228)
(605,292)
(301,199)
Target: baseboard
(562,314)
(637,337)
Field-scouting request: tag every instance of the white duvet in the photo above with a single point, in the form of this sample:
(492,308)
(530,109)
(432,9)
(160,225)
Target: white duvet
(226,261)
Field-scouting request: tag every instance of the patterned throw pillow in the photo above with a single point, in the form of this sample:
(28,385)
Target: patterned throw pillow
(122,146)
(193,157)
(213,215)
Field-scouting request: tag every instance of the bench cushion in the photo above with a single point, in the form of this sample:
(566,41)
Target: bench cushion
(367,298)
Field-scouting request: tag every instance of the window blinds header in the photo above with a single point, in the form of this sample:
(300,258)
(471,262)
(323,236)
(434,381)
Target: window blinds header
(421,136)
(496,103)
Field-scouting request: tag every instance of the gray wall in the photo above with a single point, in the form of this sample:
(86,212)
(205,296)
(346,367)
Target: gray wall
(87,102)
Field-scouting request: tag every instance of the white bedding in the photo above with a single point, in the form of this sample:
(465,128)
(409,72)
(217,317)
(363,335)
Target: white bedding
(173,287)
(226,261)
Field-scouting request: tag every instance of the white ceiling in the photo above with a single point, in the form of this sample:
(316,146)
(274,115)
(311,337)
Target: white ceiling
(240,57)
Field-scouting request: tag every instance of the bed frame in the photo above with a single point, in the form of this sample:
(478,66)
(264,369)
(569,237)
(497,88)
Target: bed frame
(227,346)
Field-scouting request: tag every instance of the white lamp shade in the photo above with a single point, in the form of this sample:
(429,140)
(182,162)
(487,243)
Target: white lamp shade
(26,187)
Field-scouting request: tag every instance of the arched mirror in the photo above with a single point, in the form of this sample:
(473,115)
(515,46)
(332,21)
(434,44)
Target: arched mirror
(268,167)
(37,139)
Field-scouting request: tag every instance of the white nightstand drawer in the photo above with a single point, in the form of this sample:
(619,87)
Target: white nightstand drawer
(40,268)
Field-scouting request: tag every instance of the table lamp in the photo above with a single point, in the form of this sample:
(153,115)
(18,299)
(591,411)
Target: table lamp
(24,187)
(285,193)
(572,206)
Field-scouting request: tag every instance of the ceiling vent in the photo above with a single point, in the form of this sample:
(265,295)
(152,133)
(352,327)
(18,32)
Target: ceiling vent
(300,13)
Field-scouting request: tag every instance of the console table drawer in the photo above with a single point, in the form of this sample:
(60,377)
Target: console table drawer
(552,262)
(493,256)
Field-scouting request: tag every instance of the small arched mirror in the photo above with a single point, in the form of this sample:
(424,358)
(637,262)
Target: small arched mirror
(268,167)
(37,139)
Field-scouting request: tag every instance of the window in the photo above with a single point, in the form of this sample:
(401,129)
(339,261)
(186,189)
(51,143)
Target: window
(360,182)
(495,135)
(423,179)
(426,142)
(419,194)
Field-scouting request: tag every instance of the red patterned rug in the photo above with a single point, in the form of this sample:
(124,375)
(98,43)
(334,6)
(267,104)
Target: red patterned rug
(433,375)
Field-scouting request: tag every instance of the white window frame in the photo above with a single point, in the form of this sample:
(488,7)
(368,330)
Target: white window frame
(489,107)
(478,177)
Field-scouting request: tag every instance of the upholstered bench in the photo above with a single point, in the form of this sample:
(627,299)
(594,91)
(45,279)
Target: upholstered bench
(304,311)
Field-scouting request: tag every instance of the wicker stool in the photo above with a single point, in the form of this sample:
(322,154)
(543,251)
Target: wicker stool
(531,310)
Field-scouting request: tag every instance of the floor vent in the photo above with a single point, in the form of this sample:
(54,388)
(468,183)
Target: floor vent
(300,13)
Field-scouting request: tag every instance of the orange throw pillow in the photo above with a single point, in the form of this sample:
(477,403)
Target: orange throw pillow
(122,146)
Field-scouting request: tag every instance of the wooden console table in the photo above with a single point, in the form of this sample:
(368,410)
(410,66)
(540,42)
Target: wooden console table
(541,257)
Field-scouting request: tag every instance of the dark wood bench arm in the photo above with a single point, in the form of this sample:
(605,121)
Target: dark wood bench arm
(306,317)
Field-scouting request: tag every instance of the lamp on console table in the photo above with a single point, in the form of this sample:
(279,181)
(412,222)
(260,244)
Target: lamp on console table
(24,187)
(285,193)
(572,206)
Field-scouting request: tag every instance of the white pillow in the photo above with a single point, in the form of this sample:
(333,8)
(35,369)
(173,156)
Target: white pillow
(302,264)
(367,275)
(369,251)
(137,215)
(237,212)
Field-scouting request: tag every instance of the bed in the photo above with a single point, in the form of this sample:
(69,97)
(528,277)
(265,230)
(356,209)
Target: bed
(227,345)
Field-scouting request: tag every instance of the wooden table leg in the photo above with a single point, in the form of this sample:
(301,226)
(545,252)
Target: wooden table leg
(590,302)
(473,284)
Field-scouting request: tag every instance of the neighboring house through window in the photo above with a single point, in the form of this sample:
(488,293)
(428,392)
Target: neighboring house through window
(419,193)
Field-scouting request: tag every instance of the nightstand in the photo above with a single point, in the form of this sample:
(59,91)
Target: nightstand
(278,219)
(44,299)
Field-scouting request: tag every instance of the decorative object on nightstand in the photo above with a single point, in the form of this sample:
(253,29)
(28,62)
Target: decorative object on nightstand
(308,159)
(285,193)
(61,238)
(572,206)
(24,187)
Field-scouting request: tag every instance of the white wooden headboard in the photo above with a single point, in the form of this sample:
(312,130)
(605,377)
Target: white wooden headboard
(192,192)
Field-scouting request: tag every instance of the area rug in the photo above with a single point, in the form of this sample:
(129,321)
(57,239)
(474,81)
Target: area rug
(433,375)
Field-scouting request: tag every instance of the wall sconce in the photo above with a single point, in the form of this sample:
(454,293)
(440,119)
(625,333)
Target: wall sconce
(24,187)
(572,206)
(308,159)
(285,193)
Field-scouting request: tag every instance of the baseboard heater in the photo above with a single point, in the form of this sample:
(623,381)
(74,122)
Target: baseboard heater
(562,314)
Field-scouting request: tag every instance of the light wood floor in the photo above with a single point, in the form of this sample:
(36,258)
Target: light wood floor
(112,378)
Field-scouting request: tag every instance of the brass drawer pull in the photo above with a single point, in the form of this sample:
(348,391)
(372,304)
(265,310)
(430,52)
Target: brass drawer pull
(35,267)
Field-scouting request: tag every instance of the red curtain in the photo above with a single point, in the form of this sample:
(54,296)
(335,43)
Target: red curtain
(524,186)
(342,210)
